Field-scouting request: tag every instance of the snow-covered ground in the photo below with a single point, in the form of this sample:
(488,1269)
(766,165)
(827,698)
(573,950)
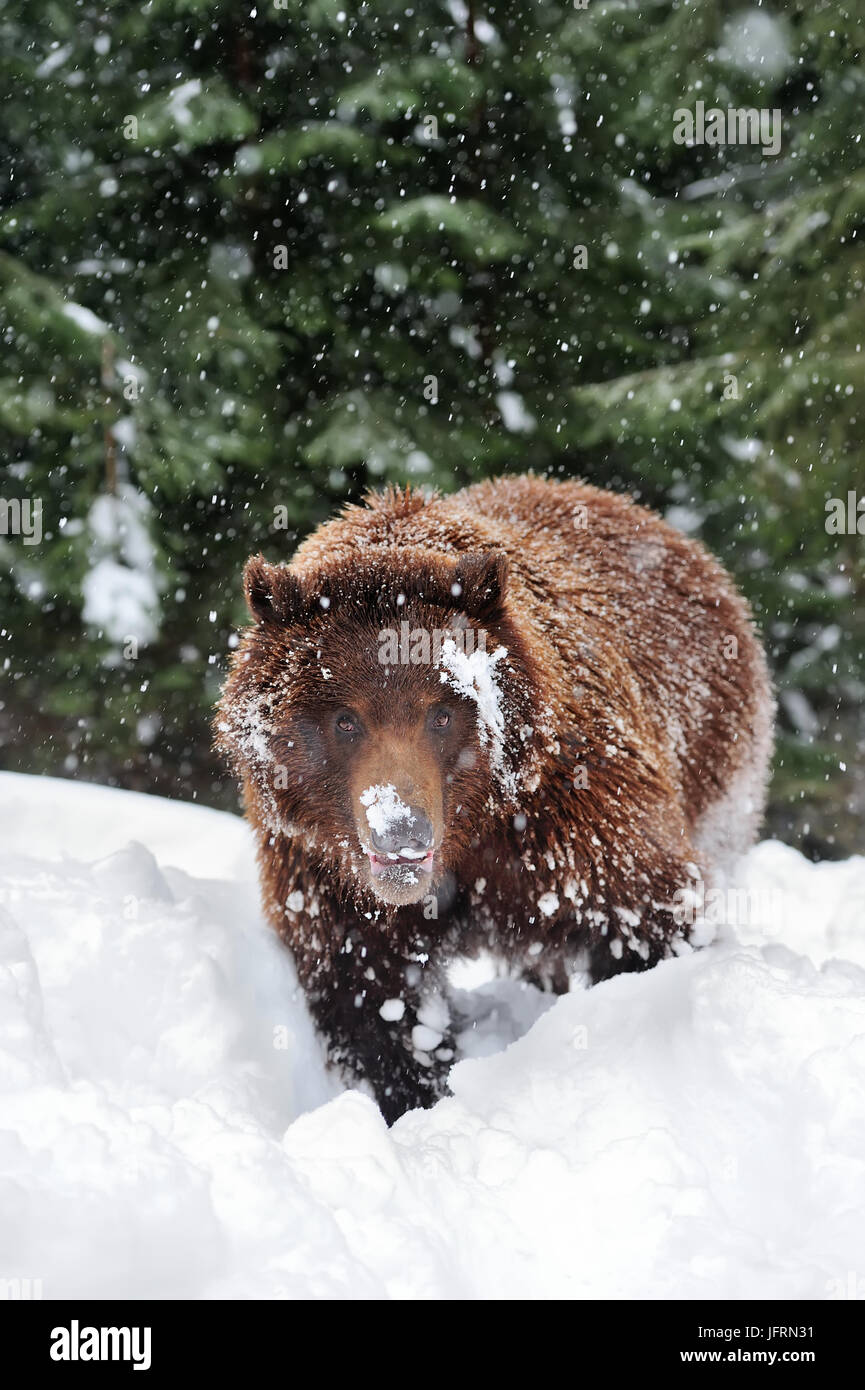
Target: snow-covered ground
(167,1128)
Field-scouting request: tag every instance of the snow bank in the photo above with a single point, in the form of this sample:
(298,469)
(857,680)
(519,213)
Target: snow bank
(167,1128)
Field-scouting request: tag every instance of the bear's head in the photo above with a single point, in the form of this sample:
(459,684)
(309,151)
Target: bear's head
(380,711)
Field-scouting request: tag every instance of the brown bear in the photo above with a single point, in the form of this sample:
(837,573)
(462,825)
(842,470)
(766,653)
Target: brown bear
(529,718)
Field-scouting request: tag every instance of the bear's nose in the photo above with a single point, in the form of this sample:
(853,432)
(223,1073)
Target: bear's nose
(413,831)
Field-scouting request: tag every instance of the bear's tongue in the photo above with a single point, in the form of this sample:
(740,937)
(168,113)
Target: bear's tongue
(413,860)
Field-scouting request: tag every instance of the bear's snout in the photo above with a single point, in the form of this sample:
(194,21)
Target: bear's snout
(403,851)
(399,840)
(411,832)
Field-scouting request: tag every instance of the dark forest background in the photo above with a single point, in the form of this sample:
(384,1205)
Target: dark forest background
(257,258)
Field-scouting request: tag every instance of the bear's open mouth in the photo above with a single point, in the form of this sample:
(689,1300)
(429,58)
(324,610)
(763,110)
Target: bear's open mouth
(416,859)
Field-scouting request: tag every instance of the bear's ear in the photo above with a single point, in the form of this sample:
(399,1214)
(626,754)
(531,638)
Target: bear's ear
(482,578)
(273,592)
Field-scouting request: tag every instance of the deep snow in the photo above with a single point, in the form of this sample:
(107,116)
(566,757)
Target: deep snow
(696,1131)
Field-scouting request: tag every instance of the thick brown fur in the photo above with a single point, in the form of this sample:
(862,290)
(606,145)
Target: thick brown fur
(631,758)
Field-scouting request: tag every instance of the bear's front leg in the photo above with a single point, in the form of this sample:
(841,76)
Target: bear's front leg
(383,1021)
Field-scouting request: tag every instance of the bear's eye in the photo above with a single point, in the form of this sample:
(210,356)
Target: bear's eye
(347,724)
(441,719)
